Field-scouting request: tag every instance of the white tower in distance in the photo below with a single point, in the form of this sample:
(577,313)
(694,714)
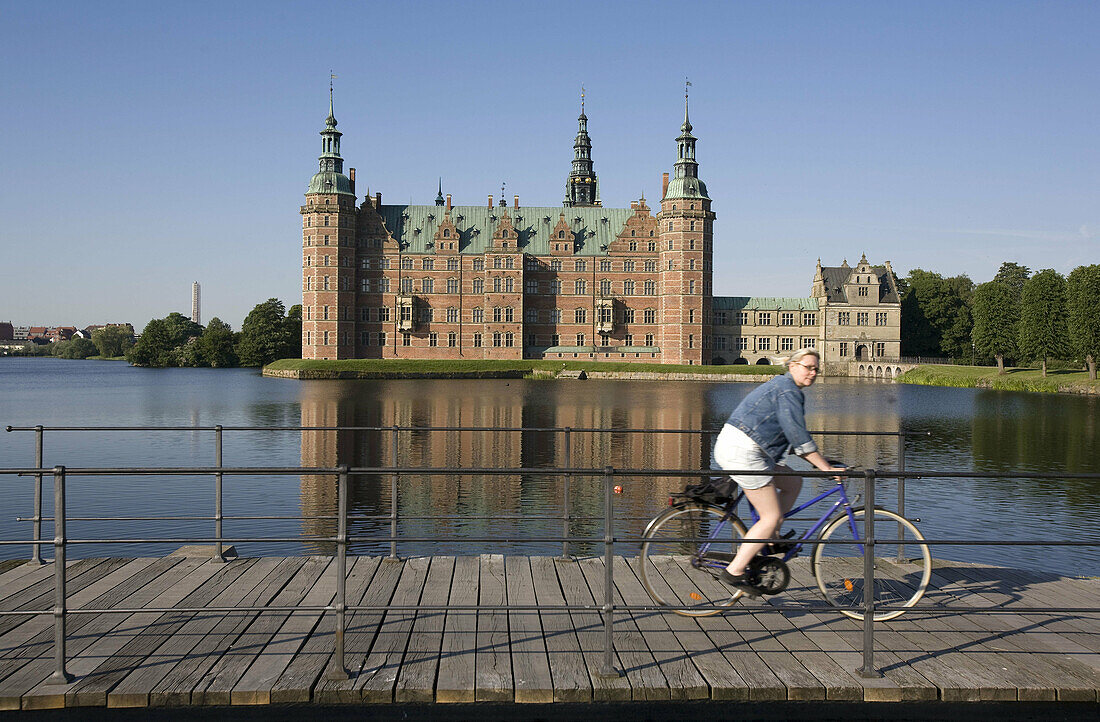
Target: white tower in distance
(195,315)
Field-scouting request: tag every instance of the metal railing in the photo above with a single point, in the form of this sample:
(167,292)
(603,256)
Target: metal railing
(343,474)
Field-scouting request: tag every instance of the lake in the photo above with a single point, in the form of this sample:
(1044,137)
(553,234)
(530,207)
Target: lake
(959,430)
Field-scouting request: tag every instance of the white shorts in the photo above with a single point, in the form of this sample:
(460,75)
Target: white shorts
(734,450)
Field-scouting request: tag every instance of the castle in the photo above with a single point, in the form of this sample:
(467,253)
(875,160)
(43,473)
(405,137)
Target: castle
(575,281)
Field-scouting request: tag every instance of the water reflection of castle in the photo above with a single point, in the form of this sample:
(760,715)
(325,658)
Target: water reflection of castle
(524,405)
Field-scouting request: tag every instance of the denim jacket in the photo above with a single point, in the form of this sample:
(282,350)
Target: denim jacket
(773,416)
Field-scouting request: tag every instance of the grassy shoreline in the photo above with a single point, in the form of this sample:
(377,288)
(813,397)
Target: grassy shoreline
(1014,379)
(484,368)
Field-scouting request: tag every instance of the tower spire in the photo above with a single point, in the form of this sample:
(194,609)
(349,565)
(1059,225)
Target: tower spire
(582,185)
(685,182)
(330,176)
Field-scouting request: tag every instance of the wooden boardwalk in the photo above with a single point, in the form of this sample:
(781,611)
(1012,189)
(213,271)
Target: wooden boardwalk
(752,652)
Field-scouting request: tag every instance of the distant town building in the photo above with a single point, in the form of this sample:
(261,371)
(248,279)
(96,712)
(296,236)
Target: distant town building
(7,331)
(575,281)
(196,314)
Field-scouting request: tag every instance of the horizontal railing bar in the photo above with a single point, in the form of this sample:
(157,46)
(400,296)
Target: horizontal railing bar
(437,428)
(543,471)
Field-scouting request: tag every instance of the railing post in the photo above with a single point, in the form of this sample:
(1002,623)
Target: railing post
(868,670)
(393,498)
(608,668)
(219,554)
(901,494)
(60,675)
(339,670)
(36,548)
(565,499)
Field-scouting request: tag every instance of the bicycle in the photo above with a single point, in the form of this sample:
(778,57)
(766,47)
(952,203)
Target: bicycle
(688,545)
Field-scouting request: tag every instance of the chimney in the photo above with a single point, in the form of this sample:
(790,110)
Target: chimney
(490,201)
(351,177)
(448,202)
(664,185)
(516,206)
(634,205)
(378,200)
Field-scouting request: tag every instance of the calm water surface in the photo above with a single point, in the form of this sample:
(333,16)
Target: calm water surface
(961,430)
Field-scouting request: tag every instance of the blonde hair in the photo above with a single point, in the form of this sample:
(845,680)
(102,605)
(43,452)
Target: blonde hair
(799,355)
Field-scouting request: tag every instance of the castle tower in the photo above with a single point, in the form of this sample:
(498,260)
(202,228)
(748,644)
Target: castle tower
(686,227)
(328,254)
(582,187)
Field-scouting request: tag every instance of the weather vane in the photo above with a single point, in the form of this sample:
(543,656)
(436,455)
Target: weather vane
(687,84)
(582,99)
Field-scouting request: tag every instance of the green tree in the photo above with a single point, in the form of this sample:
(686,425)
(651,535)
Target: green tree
(264,335)
(78,348)
(181,328)
(996,313)
(112,341)
(294,330)
(215,346)
(1043,329)
(935,315)
(1014,276)
(154,347)
(1083,300)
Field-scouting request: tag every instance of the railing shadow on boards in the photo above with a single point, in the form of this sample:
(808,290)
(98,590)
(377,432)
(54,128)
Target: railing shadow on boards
(607,476)
(567,433)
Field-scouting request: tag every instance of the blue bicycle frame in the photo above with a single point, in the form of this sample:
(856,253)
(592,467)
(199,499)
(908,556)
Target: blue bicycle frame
(825,518)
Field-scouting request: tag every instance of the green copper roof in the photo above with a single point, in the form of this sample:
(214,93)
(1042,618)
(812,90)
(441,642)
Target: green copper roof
(596,228)
(687,187)
(329,182)
(763,303)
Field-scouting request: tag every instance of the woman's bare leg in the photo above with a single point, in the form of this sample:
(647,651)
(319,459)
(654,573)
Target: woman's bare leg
(766,502)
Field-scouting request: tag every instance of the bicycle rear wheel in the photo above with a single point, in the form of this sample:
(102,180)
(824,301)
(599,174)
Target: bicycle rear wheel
(838,568)
(685,548)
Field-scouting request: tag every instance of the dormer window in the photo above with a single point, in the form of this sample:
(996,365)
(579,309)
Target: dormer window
(446,232)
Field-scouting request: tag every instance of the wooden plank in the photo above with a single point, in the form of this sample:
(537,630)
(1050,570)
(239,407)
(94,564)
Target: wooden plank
(36,660)
(530,664)
(170,642)
(493,668)
(18,642)
(115,630)
(455,679)
(721,679)
(674,659)
(256,685)
(416,677)
(40,594)
(370,580)
(568,671)
(641,667)
(145,634)
(286,586)
(1073,679)
(376,681)
(761,683)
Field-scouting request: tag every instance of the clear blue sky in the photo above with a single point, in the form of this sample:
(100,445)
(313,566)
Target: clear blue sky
(147,145)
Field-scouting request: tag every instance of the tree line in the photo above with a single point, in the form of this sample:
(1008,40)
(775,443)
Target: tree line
(269,332)
(1018,317)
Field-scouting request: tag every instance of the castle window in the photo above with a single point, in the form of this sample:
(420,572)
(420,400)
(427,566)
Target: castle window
(452,285)
(863,291)
(326,239)
(479,285)
(497,261)
(633,245)
(509,314)
(452,315)
(605,287)
(880,319)
(477,340)
(406,339)
(531,315)
(673,206)
(691,315)
(786,319)
(580,339)
(326,220)
(691,340)
(809,319)
(692,228)
(843,348)
(743,317)
(628,266)
(325,342)
(628,316)
(880,349)
(809,342)
(861,318)
(427,286)
(670,226)
(652,245)
(509,339)
(477,315)
(580,266)
(580,287)
(628,288)
(605,266)
(764,318)
(555,287)
(452,339)
(649,339)
(452,264)
(406,263)
(561,234)
(632,235)
(763,344)
(496,339)
(843,318)
(531,286)
(446,232)
(650,288)
(580,315)
(496,284)
(650,266)
(786,344)
(691,287)
(555,265)
(691,264)
(427,264)
(670,264)
(508,262)
(384,314)
(406,285)
(433,339)
(555,317)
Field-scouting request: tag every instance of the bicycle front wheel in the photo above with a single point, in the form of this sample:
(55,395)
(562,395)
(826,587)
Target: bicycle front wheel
(684,550)
(838,567)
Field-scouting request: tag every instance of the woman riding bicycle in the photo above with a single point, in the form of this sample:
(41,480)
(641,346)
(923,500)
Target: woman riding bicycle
(758,433)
